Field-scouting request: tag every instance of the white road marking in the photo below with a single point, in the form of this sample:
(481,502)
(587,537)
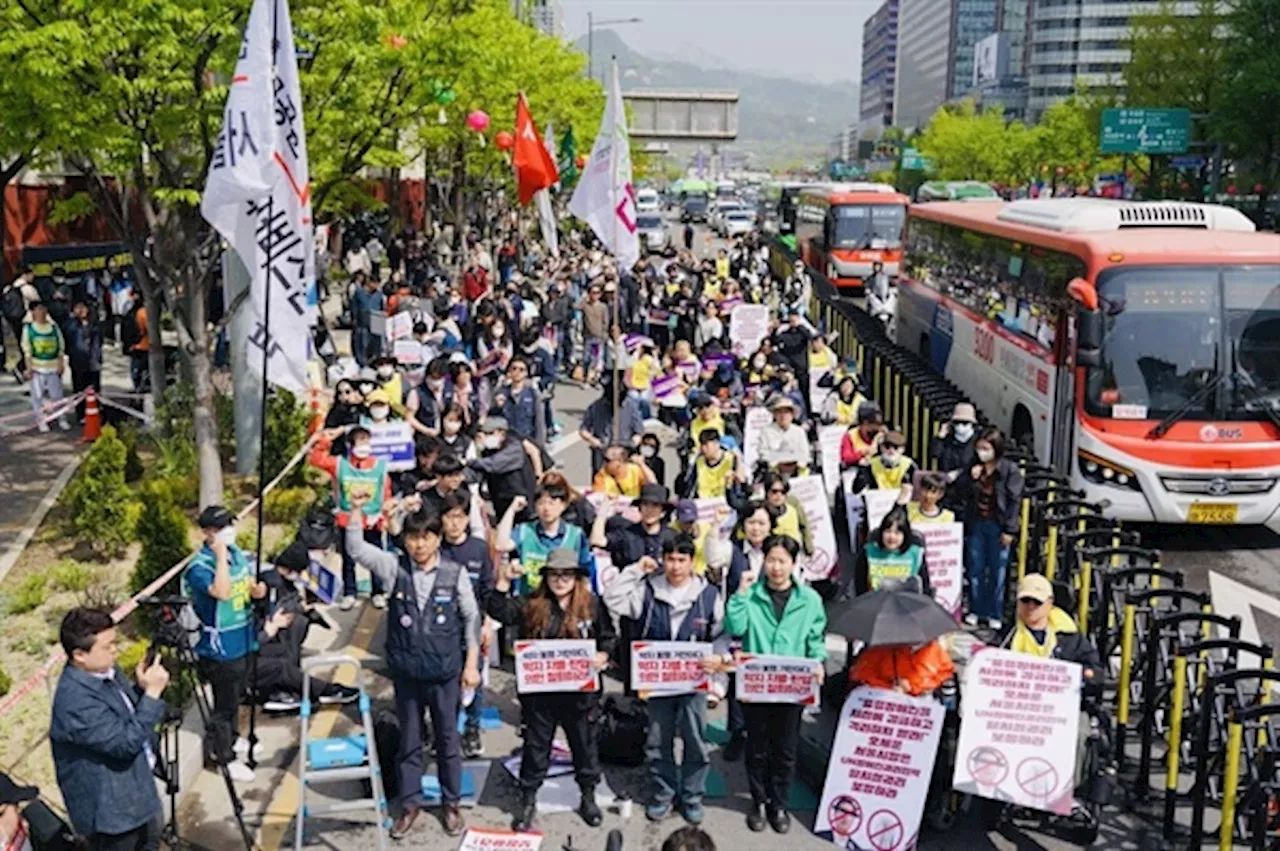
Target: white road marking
(1232,598)
(564,442)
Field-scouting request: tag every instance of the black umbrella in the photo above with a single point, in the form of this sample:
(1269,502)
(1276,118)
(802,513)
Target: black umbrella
(884,618)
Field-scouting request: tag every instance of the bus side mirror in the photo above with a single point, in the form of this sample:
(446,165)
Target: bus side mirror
(1089,323)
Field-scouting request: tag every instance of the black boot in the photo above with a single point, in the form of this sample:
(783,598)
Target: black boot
(733,748)
(526,809)
(755,818)
(588,808)
(779,820)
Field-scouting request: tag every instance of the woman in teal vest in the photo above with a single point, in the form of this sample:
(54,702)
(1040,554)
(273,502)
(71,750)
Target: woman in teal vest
(893,554)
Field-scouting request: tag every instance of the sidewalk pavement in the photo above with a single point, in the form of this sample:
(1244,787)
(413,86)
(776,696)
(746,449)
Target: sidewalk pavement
(35,467)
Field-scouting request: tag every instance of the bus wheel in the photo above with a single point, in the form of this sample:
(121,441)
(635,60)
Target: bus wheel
(1023,433)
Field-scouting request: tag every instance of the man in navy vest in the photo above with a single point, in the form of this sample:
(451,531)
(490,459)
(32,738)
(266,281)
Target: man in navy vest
(673,605)
(432,615)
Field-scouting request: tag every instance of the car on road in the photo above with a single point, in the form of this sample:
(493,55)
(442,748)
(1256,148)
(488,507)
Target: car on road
(648,201)
(653,231)
(721,210)
(695,207)
(737,222)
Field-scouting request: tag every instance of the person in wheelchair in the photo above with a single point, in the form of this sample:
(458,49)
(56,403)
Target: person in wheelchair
(1044,630)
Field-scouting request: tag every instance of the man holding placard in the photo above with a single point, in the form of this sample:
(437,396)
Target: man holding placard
(671,607)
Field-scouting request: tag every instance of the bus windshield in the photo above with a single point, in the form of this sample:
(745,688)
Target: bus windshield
(1170,331)
(869,225)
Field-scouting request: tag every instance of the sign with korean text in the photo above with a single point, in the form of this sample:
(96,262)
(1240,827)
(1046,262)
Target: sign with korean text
(817,392)
(778,679)
(489,839)
(393,442)
(400,326)
(878,777)
(1145,131)
(812,495)
(755,420)
(944,559)
(556,665)
(408,352)
(748,326)
(879,503)
(829,439)
(669,667)
(1019,730)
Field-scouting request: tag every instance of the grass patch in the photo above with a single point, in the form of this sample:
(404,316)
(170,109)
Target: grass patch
(27,596)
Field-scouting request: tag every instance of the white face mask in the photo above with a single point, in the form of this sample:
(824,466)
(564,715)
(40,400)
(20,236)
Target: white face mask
(648,451)
(890,459)
(227,535)
(379,412)
(963,432)
(386,371)
(452,427)
(985,455)
(492,441)
(364,450)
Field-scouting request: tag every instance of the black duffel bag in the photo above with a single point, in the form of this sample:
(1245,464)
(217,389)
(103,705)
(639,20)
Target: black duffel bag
(624,727)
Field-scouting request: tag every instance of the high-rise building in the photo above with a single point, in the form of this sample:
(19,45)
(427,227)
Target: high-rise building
(546,15)
(924,48)
(879,63)
(1080,41)
(971,20)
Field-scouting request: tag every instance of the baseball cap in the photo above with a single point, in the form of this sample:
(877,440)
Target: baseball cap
(215,517)
(657,494)
(377,397)
(686,511)
(492,424)
(1035,586)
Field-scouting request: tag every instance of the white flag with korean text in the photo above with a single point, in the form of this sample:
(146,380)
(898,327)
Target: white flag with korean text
(542,200)
(258,195)
(605,198)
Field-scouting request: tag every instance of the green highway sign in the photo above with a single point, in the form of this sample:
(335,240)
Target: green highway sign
(913,160)
(1145,131)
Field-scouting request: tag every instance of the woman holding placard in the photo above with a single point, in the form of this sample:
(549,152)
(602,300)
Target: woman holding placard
(775,617)
(563,607)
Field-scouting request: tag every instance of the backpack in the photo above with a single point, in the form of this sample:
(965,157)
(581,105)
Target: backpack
(624,727)
(14,306)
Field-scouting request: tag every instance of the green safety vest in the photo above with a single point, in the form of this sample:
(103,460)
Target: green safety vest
(884,564)
(45,346)
(532,549)
(352,480)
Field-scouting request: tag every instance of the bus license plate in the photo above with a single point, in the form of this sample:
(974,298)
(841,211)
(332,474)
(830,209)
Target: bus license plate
(1218,513)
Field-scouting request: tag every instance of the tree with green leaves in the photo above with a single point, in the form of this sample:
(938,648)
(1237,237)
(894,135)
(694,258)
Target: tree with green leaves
(1247,115)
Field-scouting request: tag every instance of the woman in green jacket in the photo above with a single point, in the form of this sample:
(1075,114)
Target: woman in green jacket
(780,618)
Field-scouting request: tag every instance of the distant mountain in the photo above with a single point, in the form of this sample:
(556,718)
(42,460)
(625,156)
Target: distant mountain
(777,116)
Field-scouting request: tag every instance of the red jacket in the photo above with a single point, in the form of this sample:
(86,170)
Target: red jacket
(850,453)
(475,283)
(321,458)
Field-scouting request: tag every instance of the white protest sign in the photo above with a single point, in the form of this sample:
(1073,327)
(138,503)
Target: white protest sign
(408,352)
(709,511)
(1019,729)
(748,326)
(400,326)
(879,503)
(778,679)
(488,839)
(393,442)
(757,417)
(944,558)
(881,762)
(829,439)
(669,667)
(622,507)
(812,495)
(556,665)
(377,323)
(817,394)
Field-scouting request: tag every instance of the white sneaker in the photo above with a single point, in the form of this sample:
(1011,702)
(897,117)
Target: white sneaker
(995,625)
(970,620)
(347,603)
(379,601)
(43,428)
(241,748)
(64,425)
(240,772)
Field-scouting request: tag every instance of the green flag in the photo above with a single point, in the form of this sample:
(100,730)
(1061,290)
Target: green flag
(568,165)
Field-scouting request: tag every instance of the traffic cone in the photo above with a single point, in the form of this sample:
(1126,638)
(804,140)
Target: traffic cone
(92,417)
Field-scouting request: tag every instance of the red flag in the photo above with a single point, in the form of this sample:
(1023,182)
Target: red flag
(534,167)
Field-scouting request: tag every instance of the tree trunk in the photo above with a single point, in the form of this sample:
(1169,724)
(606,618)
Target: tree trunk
(203,414)
(460,204)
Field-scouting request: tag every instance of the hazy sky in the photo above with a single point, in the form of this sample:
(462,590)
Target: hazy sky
(802,38)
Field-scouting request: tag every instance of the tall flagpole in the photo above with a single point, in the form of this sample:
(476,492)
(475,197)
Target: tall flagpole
(251,758)
(617,290)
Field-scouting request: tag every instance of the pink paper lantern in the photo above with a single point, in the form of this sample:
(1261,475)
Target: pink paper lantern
(478,121)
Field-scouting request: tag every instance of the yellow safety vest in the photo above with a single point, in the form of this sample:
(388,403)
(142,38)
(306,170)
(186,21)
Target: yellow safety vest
(713,481)
(944,515)
(788,523)
(847,412)
(699,425)
(887,478)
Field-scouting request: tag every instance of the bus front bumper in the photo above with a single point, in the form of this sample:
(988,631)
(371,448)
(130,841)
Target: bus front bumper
(1164,498)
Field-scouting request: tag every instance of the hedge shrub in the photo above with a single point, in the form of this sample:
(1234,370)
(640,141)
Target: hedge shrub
(100,506)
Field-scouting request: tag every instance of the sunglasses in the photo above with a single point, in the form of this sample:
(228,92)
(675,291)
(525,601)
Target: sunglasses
(777,490)
(1030,601)
(562,574)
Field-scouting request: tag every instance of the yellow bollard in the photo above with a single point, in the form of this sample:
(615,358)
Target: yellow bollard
(1126,662)
(1024,525)
(894,421)
(929,461)
(1264,697)
(1155,577)
(917,440)
(1086,581)
(875,380)
(1178,703)
(1230,785)
(1051,541)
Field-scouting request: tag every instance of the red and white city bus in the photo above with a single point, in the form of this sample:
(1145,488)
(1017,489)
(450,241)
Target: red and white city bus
(1134,345)
(843,228)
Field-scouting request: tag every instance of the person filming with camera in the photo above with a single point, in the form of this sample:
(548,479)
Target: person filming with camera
(101,737)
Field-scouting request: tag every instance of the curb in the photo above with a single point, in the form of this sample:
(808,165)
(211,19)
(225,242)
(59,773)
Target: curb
(16,549)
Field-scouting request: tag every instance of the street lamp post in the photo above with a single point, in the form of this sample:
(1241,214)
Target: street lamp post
(592,23)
